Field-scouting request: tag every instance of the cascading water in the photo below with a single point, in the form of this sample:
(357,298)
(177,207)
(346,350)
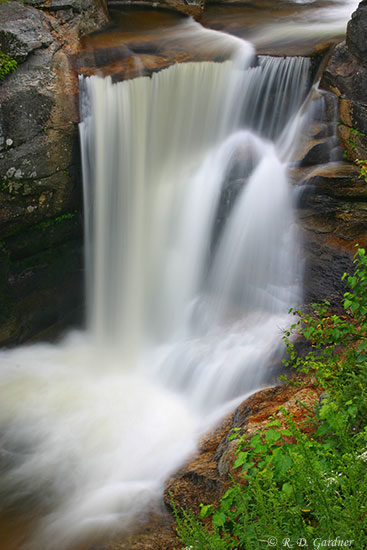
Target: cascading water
(192,266)
(154,199)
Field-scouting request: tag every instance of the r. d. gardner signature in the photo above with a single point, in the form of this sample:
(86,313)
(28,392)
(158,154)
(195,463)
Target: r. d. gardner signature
(317,543)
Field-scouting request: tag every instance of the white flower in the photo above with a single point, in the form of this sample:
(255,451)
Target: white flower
(363,457)
(331,481)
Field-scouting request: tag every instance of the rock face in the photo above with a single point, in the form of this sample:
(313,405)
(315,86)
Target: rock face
(346,76)
(22,31)
(40,185)
(332,200)
(332,207)
(356,34)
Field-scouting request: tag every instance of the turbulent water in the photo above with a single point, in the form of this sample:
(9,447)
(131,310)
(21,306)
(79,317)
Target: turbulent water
(191,253)
(323,21)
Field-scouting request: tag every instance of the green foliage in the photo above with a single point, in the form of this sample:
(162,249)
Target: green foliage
(50,222)
(353,139)
(362,169)
(309,481)
(7,65)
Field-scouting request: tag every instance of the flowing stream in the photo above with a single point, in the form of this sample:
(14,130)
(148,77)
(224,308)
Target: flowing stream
(192,265)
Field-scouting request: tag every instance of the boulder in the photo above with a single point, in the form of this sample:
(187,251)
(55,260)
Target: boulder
(22,30)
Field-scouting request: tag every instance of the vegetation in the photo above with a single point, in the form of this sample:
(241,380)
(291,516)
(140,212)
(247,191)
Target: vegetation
(49,222)
(7,65)
(353,139)
(362,164)
(304,485)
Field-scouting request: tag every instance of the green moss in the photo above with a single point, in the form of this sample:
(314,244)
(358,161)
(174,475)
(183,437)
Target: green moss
(52,221)
(7,65)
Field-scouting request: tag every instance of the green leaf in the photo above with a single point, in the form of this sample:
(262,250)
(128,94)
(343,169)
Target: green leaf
(219,518)
(282,462)
(241,460)
(271,436)
(206,510)
(287,489)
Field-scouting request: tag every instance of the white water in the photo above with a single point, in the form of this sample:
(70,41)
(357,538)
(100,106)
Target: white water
(327,20)
(185,313)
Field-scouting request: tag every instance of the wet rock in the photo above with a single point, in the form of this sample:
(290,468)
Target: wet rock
(22,30)
(316,151)
(188,7)
(332,212)
(41,280)
(206,476)
(344,76)
(158,534)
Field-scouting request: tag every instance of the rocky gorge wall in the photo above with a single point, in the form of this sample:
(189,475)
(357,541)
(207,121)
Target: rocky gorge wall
(40,186)
(333,205)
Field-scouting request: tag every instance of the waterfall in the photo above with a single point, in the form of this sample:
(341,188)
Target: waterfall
(157,153)
(192,265)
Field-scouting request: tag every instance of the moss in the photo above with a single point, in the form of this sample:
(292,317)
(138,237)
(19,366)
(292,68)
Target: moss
(44,235)
(52,221)
(7,64)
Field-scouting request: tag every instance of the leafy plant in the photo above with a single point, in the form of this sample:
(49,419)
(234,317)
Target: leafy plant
(362,169)
(353,140)
(7,65)
(308,481)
